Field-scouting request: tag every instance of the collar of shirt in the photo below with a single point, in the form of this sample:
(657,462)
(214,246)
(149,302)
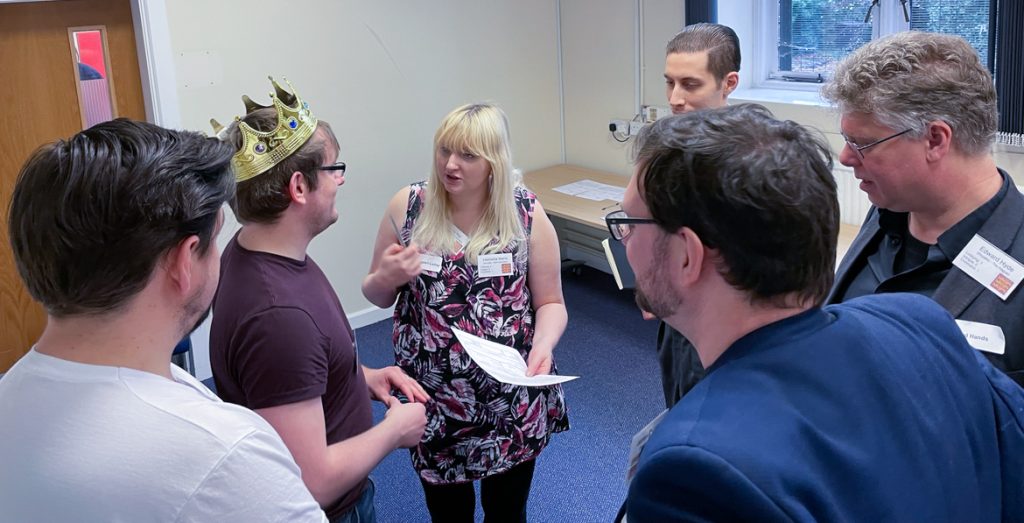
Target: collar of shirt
(951,242)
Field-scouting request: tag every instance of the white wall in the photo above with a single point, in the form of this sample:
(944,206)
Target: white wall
(600,60)
(384,74)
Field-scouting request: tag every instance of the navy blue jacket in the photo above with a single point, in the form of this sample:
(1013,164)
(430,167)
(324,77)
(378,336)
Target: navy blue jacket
(872,410)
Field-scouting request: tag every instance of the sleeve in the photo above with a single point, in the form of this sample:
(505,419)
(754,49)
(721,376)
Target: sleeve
(685,483)
(281,358)
(1008,406)
(256,481)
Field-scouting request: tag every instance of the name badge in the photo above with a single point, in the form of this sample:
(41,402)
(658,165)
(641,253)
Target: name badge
(636,445)
(982,336)
(990,266)
(430,262)
(490,265)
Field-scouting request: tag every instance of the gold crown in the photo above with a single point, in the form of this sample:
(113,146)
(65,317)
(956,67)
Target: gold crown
(262,150)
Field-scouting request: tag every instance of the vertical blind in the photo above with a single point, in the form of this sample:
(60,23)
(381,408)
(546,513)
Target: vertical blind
(1008,68)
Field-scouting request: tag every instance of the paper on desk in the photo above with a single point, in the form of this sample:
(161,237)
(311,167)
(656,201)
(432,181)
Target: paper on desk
(503,363)
(592,190)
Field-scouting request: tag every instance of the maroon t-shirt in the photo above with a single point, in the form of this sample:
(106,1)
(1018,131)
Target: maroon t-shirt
(280,336)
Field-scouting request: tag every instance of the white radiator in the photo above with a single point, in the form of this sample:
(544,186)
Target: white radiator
(853,203)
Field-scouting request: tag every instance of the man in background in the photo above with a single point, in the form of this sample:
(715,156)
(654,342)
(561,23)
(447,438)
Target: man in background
(919,119)
(113,231)
(871,410)
(280,342)
(702,64)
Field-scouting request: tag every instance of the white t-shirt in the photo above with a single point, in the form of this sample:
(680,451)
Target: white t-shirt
(94,443)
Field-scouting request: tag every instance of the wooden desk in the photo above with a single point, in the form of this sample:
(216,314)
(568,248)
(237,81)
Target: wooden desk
(580,210)
(580,222)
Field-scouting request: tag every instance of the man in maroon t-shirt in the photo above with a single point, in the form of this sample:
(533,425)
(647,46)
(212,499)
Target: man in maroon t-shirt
(280,342)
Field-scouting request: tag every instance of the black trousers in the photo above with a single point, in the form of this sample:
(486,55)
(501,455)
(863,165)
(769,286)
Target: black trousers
(503,497)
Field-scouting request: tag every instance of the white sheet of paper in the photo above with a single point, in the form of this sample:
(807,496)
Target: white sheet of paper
(503,363)
(592,190)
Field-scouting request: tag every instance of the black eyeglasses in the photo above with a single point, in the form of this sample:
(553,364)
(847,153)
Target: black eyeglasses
(860,148)
(340,166)
(620,225)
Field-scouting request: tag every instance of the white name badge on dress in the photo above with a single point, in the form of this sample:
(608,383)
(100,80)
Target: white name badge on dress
(490,265)
(430,262)
(982,336)
(990,266)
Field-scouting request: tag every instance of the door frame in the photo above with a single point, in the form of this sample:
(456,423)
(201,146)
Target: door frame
(156,60)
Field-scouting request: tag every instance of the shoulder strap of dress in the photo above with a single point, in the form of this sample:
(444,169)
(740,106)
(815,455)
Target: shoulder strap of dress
(525,202)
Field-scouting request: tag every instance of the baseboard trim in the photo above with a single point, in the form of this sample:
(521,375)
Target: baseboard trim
(369,316)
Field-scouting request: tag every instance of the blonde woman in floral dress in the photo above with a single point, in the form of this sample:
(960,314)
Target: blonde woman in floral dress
(471,248)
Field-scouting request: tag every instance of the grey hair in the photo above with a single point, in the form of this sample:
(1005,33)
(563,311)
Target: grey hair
(911,78)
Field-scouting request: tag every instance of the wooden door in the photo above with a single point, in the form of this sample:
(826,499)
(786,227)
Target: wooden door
(39,101)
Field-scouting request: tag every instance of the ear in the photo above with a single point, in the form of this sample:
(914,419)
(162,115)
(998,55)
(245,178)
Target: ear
(940,139)
(180,261)
(298,189)
(694,256)
(731,81)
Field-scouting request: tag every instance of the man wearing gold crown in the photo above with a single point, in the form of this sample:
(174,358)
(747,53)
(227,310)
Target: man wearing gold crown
(280,341)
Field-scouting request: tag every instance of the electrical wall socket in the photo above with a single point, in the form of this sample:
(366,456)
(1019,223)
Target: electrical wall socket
(634,128)
(654,112)
(618,126)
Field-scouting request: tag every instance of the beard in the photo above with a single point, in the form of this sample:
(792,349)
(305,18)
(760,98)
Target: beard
(652,294)
(201,319)
(196,311)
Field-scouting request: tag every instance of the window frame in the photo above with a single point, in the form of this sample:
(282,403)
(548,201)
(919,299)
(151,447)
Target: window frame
(886,19)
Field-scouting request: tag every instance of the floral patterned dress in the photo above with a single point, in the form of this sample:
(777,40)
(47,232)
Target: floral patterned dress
(476,426)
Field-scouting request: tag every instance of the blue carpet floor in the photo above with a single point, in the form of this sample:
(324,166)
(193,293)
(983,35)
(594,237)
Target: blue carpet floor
(580,476)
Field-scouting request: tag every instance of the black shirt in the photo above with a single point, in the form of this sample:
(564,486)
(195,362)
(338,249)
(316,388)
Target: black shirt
(898,262)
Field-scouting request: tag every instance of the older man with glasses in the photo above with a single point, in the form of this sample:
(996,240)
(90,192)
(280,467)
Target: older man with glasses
(919,118)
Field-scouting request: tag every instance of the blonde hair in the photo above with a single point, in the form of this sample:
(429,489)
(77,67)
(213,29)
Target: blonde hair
(482,130)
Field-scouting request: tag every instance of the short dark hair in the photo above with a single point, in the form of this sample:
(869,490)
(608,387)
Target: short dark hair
(757,189)
(262,199)
(91,216)
(720,41)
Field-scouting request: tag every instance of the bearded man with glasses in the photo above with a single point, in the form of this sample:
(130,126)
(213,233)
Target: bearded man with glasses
(807,412)
(919,119)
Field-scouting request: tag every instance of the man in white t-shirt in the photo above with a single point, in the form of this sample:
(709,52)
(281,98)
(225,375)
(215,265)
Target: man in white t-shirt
(113,231)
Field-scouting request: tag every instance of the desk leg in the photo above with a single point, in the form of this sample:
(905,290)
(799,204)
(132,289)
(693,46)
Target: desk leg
(574,266)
